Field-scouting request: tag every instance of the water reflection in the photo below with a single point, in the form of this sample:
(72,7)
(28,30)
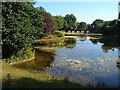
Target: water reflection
(82,37)
(43,60)
(108,42)
(118,65)
(118,62)
(90,62)
(94,41)
(70,43)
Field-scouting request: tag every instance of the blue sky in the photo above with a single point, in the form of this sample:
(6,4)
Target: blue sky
(84,11)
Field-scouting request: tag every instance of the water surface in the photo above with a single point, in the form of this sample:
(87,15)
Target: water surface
(85,60)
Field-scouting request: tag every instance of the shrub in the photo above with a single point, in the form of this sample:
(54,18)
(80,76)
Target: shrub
(59,33)
(22,54)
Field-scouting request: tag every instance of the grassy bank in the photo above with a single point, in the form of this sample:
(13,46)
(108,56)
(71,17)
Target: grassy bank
(23,54)
(46,48)
(13,77)
(56,39)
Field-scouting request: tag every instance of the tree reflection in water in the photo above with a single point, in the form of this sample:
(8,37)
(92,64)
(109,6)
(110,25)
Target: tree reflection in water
(82,37)
(109,43)
(70,43)
(77,68)
(118,62)
(42,61)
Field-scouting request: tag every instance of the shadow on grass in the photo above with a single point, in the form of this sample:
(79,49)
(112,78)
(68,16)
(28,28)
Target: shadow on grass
(52,83)
(32,83)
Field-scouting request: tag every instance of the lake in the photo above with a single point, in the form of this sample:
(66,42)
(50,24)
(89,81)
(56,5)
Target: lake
(84,59)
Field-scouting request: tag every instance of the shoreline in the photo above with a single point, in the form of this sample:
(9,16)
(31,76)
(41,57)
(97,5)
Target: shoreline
(21,61)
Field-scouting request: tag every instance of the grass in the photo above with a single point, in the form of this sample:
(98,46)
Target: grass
(21,55)
(50,40)
(46,48)
(13,77)
(74,34)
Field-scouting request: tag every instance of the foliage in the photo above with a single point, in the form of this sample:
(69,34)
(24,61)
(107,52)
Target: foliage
(22,54)
(59,22)
(66,22)
(49,27)
(50,41)
(119,24)
(97,25)
(37,20)
(70,42)
(59,33)
(111,27)
(109,42)
(82,26)
(22,24)
(25,79)
(70,21)
(104,27)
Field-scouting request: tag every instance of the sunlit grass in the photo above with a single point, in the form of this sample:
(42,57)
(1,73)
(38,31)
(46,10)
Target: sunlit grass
(13,77)
(50,40)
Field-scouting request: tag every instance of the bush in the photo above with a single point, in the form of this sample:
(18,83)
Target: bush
(22,54)
(59,33)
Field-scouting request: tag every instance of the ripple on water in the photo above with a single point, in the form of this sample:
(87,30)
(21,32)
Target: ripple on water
(84,70)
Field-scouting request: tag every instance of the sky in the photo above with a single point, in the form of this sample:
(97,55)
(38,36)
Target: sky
(84,11)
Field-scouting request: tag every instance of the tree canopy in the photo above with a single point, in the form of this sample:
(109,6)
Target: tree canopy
(82,26)
(49,24)
(70,21)
(23,23)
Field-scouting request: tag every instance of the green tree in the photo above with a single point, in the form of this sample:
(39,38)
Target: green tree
(82,26)
(110,27)
(118,25)
(97,26)
(59,22)
(70,21)
(37,20)
(22,24)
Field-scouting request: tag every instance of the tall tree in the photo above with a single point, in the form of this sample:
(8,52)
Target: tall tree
(70,21)
(21,24)
(119,23)
(110,27)
(37,20)
(49,24)
(59,22)
(82,26)
(97,25)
